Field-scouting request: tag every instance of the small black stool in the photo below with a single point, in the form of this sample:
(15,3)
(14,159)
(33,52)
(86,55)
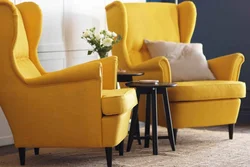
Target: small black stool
(151,90)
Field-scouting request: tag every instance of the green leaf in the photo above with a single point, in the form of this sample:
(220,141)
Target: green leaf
(92,29)
(90,52)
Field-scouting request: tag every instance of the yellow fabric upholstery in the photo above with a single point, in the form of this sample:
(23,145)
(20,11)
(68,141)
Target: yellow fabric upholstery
(231,66)
(32,18)
(114,128)
(21,52)
(197,103)
(204,113)
(118,101)
(109,72)
(207,90)
(57,109)
(138,31)
(131,50)
(187,19)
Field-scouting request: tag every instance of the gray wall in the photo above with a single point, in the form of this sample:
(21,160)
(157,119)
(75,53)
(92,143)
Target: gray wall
(223,26)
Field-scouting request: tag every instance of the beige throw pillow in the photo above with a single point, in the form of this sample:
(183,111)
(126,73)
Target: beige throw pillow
(187,61)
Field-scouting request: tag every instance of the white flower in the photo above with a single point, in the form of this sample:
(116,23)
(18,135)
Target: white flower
(109,33)
(114,34)
(87,34)
(98,36)
(107,42)
(94,46)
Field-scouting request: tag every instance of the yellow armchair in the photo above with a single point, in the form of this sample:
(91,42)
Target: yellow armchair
(67,108)
(194,103)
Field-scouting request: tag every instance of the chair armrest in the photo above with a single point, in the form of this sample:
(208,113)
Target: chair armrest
(153,66)
(227,67)
(110,65)
(70,98)
(118,101)
(82,72)
(73,102)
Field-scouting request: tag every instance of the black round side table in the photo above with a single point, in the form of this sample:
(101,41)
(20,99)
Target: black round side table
(151,90)
(127,76)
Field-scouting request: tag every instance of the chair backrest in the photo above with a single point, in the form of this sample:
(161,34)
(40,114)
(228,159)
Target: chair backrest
(19,35)
(153,21)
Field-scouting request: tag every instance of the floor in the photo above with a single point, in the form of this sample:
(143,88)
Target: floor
(196,147)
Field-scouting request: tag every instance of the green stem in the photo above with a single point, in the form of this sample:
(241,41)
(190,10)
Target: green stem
(103,54)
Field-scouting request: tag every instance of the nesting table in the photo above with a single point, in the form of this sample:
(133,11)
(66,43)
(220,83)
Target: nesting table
(151,90)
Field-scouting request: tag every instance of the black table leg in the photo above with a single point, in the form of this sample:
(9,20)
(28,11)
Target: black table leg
(154,121)
(175,134)
(147,121)
(132,130)
(138,136)
(117,147)
(168,119)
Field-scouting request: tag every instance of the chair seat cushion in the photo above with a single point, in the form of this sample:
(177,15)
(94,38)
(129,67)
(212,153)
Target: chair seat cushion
(207,90)
(118,101)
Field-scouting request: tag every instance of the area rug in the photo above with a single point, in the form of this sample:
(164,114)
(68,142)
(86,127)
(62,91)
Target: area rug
(195,148)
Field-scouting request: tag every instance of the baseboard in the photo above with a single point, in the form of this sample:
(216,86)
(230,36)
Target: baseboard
(6,140)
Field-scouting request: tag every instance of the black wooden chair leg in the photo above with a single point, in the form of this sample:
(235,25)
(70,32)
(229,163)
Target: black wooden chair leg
(175,134)
(108,151)
(231,130)
(22,155)
(121,148)
(36,151)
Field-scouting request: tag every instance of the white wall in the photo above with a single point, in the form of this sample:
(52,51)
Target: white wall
(5,132)
(61,45)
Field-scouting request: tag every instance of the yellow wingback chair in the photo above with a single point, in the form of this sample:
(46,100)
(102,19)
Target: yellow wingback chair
(194,103)
(67,108)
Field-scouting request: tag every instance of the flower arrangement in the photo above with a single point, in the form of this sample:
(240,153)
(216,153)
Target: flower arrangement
(102,42)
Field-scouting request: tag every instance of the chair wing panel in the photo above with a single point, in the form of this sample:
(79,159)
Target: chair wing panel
(25,67)
(8,17)
(8,30)
(117,21)
(32,20)
(187,20)
(14,43)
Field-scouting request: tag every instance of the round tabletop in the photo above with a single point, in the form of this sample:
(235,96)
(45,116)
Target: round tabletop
(150,85)
(127,73)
